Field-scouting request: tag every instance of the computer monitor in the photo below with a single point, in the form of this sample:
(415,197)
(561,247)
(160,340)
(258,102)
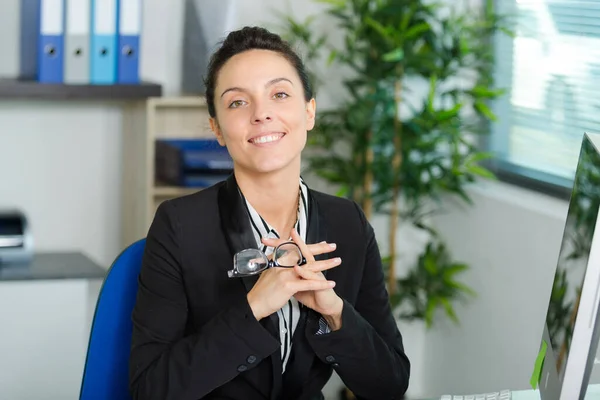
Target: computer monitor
(571,325)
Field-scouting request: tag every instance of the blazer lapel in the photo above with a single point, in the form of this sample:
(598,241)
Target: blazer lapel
(236,224)
(238,233)
(301,357)
(316,228)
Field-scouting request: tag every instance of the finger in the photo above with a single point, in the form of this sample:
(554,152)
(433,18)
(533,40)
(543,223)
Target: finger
(315,248)
(303,247)
(310,284)
(307,274)
(323,265)
(321,248)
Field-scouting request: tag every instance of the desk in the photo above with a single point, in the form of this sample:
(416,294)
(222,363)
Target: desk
(46,309)
(593,393)
(53,266)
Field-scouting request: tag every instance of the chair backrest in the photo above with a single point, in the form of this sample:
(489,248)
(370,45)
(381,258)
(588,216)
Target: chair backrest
(105,375)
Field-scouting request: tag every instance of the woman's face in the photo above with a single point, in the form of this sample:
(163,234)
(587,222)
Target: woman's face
(261,114)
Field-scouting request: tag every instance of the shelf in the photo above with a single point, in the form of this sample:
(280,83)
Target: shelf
(178,102)
(146,121)
(32,90)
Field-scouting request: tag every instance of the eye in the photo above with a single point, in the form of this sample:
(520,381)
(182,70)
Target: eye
(281,95)
(236,103)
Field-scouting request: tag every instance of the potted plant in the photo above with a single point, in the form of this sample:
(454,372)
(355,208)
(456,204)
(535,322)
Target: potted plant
(391,151)
(406,134)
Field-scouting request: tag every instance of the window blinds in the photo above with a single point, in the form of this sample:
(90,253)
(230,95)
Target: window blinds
(552,70)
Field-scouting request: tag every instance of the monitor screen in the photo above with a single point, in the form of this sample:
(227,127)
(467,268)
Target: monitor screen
(574,255)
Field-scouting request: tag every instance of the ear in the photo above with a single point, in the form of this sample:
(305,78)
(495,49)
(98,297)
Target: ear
(311,111)
(214,126)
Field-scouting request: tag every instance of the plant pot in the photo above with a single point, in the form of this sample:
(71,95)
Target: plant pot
(414,338)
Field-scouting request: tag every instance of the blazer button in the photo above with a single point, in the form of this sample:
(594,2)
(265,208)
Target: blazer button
(242,368)
(251,359)
(330,359)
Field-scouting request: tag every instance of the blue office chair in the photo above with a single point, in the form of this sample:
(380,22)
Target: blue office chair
(105,376)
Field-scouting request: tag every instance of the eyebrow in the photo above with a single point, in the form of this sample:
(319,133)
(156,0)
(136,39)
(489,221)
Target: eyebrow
(270,83)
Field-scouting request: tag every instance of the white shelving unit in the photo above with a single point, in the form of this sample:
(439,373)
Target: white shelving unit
(160,117)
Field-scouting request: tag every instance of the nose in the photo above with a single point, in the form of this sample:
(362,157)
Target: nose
(261,113)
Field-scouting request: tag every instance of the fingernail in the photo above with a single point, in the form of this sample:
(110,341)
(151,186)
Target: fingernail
(332,284)
(332,245)
(337,260)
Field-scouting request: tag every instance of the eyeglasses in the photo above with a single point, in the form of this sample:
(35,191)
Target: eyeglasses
(253,261)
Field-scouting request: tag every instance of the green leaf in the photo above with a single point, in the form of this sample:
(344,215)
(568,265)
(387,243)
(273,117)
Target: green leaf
(485,110)
(418,29)
(480,156)
(430,264)
(431,306)
(406,17)
(449,309)
(508,32)
(394,55)
(432,89)
(481,171)
(379,28)
(342,192)
(331,176)
(335,3)
(489,8)
(332,57)
(454,269)
(482,91)
(445,115)
(462,287)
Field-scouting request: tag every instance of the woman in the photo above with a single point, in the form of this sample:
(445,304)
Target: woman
(205,330)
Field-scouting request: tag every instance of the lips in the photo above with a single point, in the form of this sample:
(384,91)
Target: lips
(267,138)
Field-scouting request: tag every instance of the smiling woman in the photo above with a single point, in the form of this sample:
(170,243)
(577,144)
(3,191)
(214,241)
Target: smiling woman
(209,328)
(261,113)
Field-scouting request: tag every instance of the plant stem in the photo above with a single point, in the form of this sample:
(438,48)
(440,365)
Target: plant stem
(356,190)
(396,165)
(368,184)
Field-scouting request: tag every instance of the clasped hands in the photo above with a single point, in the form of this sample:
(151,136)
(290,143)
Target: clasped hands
(306,283)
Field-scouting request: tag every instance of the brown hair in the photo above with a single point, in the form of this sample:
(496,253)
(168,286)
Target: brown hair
(249,38)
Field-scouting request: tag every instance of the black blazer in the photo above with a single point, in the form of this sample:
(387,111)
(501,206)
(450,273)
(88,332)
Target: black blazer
(194,334)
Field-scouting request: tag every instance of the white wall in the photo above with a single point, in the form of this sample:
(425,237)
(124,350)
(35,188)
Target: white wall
(60,162)
(511,238)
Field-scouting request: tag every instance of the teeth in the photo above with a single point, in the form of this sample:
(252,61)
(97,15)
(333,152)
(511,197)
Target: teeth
(267,139)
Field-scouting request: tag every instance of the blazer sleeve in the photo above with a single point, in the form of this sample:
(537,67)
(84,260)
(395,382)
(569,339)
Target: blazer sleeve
(367,351)
(164,362)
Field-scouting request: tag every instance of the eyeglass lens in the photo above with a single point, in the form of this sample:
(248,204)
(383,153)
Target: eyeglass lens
(253,261)
(250,261)
(287,255)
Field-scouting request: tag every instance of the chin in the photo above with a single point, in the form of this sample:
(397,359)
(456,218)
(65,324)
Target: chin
(273,165)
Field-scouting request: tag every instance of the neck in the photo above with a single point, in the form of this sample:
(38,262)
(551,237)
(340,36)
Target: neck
(274,196)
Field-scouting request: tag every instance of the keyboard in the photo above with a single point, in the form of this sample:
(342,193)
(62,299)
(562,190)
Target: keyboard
(502,395)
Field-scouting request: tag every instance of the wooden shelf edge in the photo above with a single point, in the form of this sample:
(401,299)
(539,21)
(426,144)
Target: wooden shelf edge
(181,101)
(11,88)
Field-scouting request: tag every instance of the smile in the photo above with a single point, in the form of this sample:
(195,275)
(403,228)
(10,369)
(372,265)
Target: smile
(267,138)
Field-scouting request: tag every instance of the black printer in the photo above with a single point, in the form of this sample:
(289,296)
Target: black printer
(16,242)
